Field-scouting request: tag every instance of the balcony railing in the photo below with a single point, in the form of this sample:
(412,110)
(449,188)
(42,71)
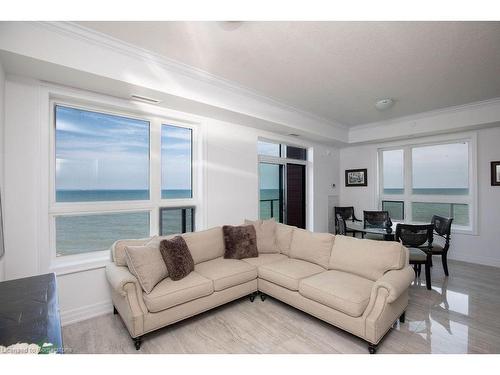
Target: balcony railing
(267,207)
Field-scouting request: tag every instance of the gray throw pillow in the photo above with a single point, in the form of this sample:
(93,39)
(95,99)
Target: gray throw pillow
(177,257)
(240,242)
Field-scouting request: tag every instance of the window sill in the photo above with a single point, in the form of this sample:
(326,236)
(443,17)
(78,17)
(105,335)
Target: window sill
(75,263)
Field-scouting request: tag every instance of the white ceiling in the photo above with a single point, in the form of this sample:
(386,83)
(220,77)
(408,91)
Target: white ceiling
(336,70)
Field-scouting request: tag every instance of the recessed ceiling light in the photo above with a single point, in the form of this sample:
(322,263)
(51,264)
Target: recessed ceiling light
(384,104)
(144,99)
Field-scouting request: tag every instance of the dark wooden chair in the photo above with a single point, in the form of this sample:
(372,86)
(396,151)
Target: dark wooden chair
(418,239)
(347,213)
(376,219)
(442,229)
(341,229)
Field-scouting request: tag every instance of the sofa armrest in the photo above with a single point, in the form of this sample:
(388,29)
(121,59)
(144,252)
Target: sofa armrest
(396,282)
(118,277)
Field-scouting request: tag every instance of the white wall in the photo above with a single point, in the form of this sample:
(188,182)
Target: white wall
(483,248)
(2,92)
(231,194)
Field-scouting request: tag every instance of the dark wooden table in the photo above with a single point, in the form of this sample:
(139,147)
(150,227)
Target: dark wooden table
(29,312)
(388,234)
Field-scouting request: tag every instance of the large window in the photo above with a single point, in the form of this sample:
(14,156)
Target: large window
(100,157)
(176,161)
(107,187)
(419,181)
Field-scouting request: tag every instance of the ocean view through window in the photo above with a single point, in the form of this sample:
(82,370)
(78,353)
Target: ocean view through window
(429,180)
(100,157)
(103,169)
(176,162)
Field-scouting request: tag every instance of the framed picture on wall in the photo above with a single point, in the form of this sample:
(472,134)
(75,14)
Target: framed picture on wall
(356,177)
(495,173)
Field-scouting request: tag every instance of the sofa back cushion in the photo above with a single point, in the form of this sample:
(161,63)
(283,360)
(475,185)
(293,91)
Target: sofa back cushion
(312,247)
(367,258)
(265,231)
(118,249)
(205,245)
(284,238)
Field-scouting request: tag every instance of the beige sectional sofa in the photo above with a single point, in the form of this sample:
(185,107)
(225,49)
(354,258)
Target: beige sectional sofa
(360,286)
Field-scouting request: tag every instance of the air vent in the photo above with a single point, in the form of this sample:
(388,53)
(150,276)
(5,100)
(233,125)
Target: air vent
(145,99)
(293,135)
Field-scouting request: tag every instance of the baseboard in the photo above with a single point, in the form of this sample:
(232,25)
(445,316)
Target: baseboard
(485,261)
(85,312)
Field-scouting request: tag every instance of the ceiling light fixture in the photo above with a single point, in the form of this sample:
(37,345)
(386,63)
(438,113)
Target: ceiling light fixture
(384,104)
(144,99)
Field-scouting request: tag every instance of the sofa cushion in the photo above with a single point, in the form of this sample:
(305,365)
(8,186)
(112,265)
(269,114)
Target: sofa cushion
(156,240)
(169,293)
(310,246)
(205,245)
(266,235)
(341,291)
(288,273)
(226,273)
(146,264)
(177,257)
(265,259)
(284,237)
(367,258)
(118,249)
(240,241)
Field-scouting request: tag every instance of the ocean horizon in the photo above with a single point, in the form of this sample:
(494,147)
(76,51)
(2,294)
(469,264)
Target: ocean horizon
(93,232)
(113,195)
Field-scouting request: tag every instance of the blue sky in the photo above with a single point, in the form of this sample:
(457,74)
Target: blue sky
(440,166)
(100,151)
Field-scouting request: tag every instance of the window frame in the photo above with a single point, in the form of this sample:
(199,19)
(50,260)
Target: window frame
(408,197)
(96,258)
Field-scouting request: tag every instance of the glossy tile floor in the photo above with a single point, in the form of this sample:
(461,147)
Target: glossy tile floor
(461,314)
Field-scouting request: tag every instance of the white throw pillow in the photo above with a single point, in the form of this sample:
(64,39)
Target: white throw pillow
(284,237)
(147,264)
(266,235)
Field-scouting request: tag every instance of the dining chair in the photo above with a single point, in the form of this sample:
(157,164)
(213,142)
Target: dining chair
(418,239)
(442,229)
(376,219)
(341,229)
(347,213)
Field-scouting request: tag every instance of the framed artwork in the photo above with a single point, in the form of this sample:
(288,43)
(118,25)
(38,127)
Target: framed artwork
(495,173)
(356,177)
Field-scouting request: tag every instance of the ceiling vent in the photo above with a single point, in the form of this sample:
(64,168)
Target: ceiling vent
(144,99)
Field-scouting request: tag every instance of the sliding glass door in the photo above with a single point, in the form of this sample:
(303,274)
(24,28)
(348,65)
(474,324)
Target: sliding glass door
(283,193)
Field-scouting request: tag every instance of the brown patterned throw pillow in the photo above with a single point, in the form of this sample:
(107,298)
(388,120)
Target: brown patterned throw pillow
(240,242)
(177,257)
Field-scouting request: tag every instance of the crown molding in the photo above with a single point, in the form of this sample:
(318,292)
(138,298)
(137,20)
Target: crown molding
(424,115)
(105,41)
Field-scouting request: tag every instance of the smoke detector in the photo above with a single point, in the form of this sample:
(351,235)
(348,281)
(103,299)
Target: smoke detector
(384,104)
